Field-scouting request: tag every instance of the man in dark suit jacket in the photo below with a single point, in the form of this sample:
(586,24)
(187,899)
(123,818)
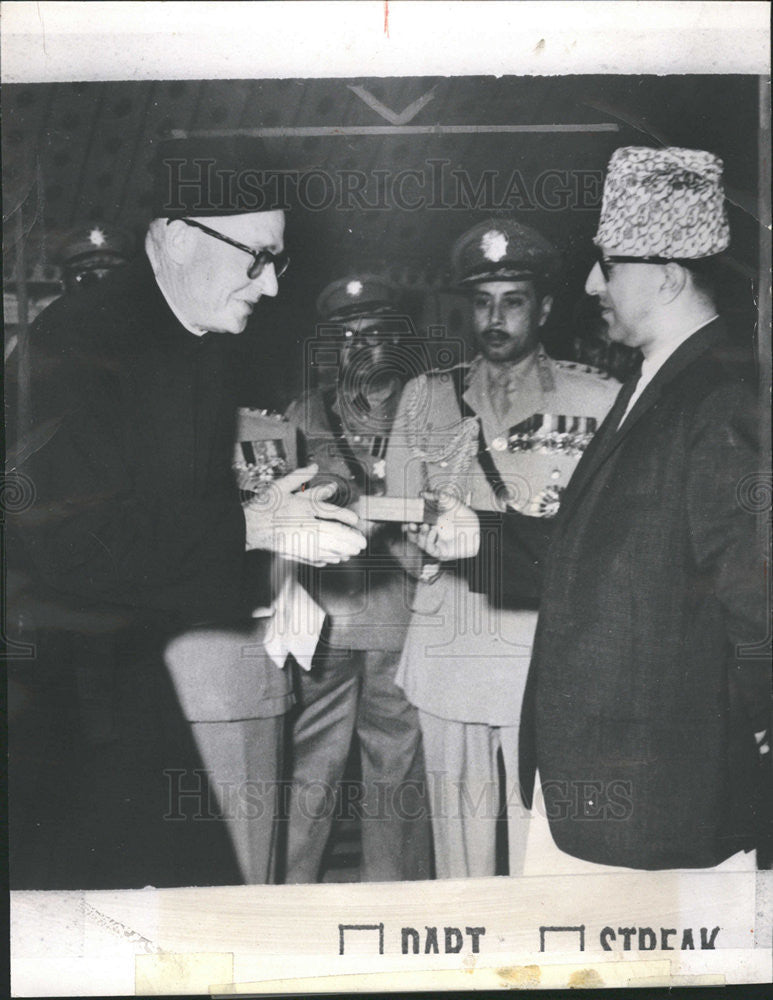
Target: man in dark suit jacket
(646,711)
(136,530)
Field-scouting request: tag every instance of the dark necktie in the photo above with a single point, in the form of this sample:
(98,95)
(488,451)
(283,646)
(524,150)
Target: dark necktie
(601,441)
(608,429)
(620,405)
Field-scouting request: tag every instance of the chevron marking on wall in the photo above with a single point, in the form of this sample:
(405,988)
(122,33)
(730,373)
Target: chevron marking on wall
(393,117)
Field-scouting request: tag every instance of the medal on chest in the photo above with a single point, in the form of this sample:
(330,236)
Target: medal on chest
(548,433)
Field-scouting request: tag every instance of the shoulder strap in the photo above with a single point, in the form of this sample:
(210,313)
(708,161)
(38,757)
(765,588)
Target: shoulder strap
(486,462)
(361,477)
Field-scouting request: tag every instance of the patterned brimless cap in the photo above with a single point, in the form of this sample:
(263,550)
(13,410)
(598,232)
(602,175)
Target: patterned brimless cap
(663,203)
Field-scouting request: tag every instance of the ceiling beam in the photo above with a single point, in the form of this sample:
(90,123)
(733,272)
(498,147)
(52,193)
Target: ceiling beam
(281,131)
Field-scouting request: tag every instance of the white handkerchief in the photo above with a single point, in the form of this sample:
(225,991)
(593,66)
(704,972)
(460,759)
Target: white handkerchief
(297,621)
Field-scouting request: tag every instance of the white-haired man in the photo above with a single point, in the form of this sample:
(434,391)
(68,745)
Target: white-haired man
(137,528)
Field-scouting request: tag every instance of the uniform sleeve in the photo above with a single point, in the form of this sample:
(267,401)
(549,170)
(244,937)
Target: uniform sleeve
(94,534)
(403,467)
(725,486)
(404,477)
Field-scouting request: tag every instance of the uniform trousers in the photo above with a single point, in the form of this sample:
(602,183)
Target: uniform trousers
(235,699)
(243,761)
(348,690)
(463,781)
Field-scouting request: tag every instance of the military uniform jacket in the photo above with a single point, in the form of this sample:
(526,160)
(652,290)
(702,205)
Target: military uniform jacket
(648,680)
(367,598)
(465,659)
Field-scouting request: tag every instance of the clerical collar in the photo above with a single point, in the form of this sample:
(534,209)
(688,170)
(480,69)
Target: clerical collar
(197,331)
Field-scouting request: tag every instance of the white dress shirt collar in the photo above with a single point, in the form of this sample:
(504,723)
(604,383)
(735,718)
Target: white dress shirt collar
(655,361)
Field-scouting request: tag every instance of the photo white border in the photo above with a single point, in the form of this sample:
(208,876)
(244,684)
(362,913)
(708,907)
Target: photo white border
(81,41)
(69,41)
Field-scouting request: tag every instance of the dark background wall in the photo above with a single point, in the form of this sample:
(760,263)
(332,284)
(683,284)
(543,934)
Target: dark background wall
(81,153)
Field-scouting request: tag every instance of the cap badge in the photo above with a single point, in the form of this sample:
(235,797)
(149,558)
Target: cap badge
(97,237)
(354,288)
(494,245)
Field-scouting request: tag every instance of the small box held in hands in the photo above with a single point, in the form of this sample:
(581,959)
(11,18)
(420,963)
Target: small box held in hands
(406,510)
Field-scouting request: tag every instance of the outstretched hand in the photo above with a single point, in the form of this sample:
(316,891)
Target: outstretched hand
(455,535)
(299,524)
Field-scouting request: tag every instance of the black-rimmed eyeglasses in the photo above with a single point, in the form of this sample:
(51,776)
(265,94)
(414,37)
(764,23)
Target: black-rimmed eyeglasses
(260,258)
(605,261)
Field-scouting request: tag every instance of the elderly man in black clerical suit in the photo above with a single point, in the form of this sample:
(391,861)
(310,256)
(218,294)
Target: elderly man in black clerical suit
(646,714)
(137,528)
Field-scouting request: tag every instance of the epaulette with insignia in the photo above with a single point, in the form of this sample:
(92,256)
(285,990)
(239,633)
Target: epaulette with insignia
(581,369)
(449,371)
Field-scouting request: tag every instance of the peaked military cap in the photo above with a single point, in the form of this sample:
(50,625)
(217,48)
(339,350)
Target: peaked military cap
(94,243)
(502,250)
(357,295)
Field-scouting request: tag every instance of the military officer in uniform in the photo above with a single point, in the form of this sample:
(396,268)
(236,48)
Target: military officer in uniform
(504,432)
(345,430)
